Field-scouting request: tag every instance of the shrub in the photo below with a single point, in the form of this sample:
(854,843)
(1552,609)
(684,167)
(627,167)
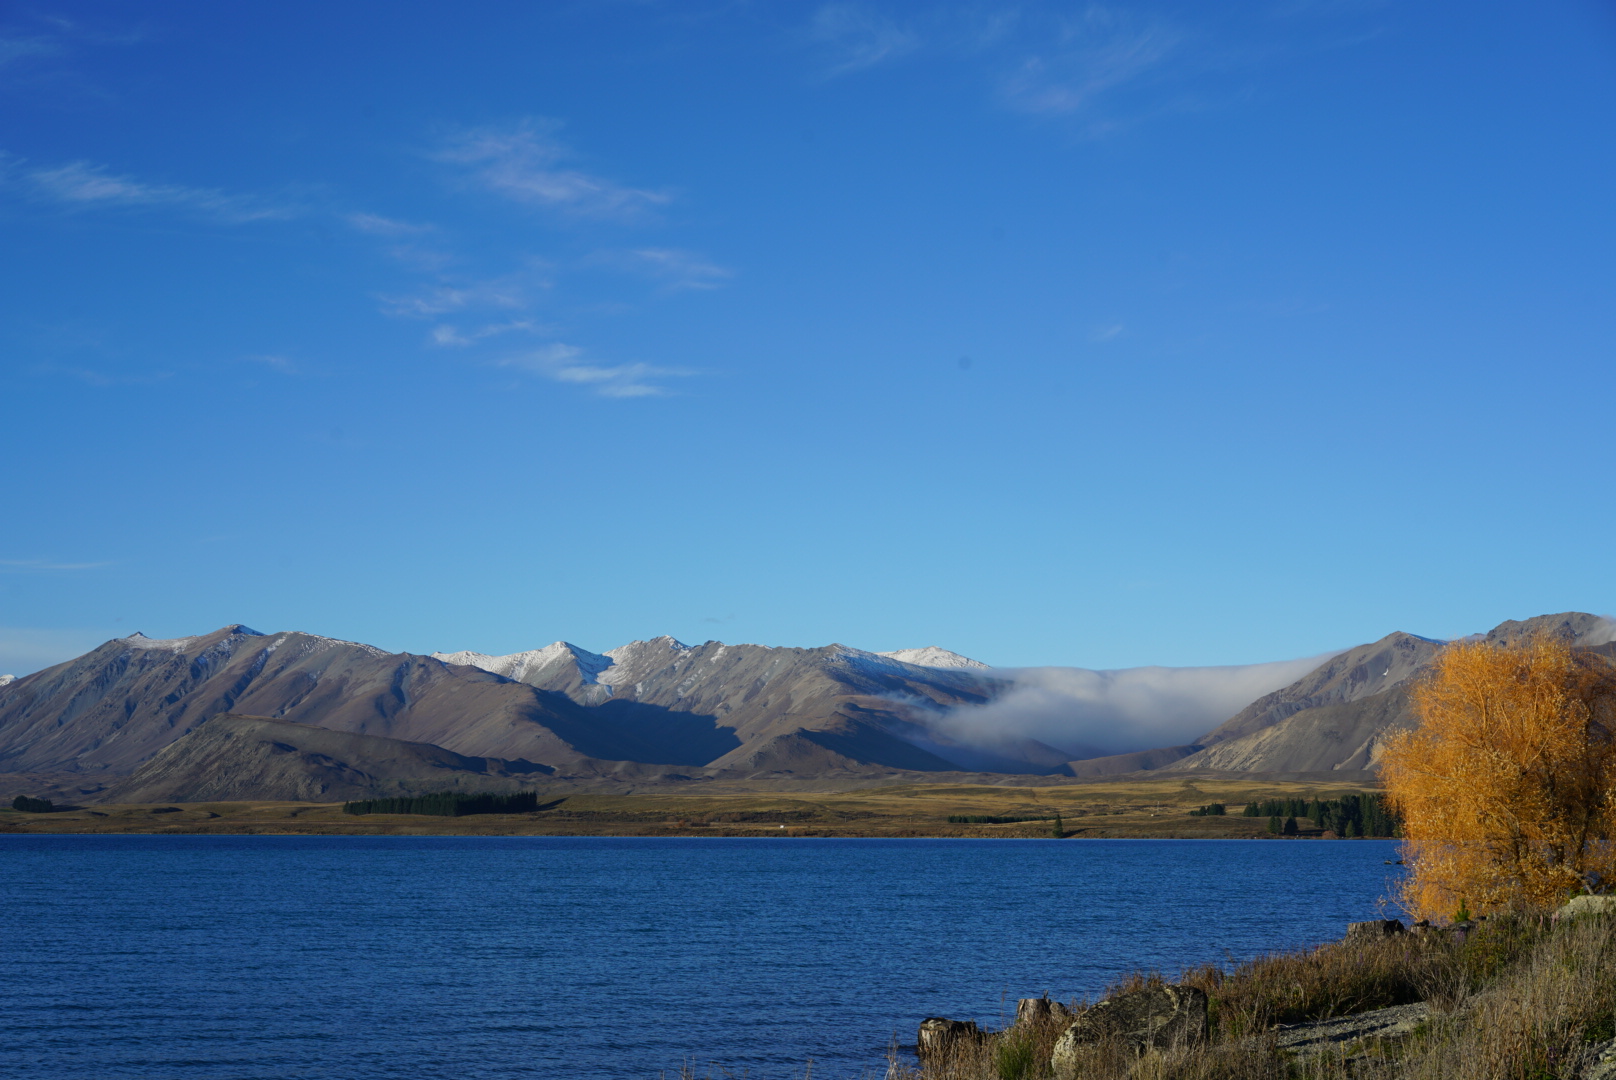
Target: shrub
(448,804)
(1507,787)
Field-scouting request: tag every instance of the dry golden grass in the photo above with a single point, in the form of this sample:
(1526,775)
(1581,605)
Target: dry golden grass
(1518,999)
(1157,808)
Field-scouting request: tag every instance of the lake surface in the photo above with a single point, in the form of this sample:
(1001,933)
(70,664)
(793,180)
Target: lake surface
(478,958)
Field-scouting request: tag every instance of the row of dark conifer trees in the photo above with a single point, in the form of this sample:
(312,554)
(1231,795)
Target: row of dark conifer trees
(1354,815)
(448,804)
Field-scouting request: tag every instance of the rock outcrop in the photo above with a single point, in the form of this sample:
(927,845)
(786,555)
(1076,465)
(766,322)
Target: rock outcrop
(1156,1018)
(1314,1037)
(940,1040)
(1586,905)
(1374,929)
(1041,1010)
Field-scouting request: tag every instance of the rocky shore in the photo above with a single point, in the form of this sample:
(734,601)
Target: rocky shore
(1527,996)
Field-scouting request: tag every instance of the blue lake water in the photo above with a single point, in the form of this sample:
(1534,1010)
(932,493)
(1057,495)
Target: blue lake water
(394,958)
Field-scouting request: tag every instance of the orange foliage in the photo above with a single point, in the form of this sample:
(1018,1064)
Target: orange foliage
(1507,788)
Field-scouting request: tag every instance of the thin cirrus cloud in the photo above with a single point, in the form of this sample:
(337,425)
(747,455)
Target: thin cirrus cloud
(855,37)
(456,337)
(526,164)
(1096,54)
(512,292)
(26,565)
(377,225)
(1037,58)
(81,185)
(675,268)
(566,364)
(13,49)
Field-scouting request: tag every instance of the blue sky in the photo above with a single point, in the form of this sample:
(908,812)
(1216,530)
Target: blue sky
(1100,335)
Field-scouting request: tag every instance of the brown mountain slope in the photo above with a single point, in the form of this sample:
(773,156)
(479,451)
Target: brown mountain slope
(669,705)
(232,758)
(1337,717)
(1350,676)
(116,706)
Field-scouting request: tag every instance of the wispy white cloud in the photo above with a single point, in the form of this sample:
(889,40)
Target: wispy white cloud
(512,292)
(1099,52)
(855,37)
(24,565)
(567,364)
(273,362)
(13,49)
(81,185)
(526,164)
(1102,65)
(675,268)
(376,225)
(446,334)
(94,377)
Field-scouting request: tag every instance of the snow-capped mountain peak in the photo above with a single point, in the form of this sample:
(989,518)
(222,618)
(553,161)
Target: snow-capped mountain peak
(138,640)
(932,656)
(519,665)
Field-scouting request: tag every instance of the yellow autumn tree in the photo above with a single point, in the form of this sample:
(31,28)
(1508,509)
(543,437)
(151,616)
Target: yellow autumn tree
(1507,786)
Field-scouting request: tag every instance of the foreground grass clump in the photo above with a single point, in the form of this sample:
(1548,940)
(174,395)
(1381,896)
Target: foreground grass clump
(1518,998)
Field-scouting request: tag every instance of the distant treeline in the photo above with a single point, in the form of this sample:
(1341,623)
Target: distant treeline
(1216,809)
(32,806)
(448,804)
(992,819)
(1355,815)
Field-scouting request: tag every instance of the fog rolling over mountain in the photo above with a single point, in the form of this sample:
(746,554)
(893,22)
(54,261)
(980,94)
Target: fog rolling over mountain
(1089,714)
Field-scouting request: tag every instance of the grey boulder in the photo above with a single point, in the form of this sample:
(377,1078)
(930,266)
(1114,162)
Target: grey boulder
(940,1039)
(1374,928)
(1159,1018)
(1039,1010)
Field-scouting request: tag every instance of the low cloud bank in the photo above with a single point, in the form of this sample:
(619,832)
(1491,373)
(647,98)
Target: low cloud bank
(1093,713)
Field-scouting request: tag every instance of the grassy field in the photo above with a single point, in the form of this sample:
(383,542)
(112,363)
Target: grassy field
(1154,808)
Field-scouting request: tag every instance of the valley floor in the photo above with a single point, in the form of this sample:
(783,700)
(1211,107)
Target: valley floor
(1122,809)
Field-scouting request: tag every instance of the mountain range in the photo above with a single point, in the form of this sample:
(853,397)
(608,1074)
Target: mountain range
(240,714)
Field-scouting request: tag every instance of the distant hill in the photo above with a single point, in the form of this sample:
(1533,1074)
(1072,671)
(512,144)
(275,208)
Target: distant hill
(1336,717)
(295,715)
(232,758)
(731,711)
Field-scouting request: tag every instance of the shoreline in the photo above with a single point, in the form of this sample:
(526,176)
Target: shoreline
(1159,810)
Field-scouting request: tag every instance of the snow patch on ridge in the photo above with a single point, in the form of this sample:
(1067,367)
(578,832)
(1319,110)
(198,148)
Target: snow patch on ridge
(519,665)
(659,650)
(137,640)
(7,680)
(318,640)
(933,656)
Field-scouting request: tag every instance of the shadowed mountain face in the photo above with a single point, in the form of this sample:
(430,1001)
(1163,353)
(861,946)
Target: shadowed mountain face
(231,758)
(118,705)
(724,709)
